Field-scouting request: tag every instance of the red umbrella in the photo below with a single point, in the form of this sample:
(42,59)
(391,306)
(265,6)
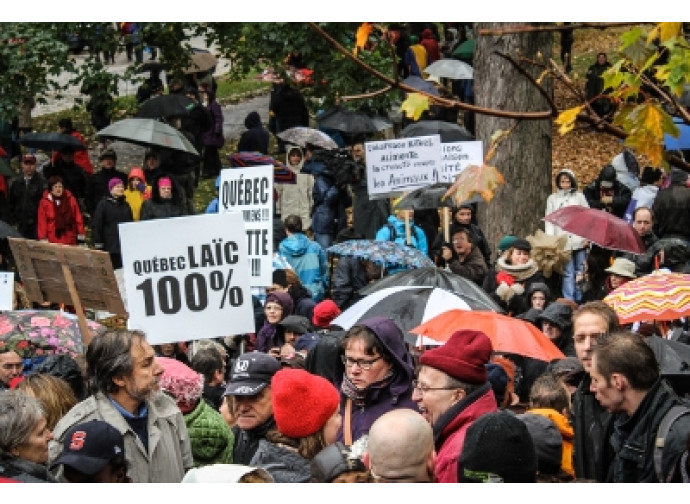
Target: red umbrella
(598,226)
(507,334)
(281,173)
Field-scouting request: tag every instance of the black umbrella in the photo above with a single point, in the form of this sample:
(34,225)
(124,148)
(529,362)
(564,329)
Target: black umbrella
(50,141)
(169,105)
(426,198)
(449,132)
(470,292)
(7,231)
(346,121)
(674,362)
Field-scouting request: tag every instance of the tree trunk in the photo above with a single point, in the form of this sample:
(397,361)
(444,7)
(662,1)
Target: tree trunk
(524,158)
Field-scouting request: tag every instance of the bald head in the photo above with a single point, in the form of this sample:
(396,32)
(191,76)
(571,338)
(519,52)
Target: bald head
(401,447)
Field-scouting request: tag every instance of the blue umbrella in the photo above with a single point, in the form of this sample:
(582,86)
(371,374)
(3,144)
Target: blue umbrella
(682,142)
(387,253)
(420,84)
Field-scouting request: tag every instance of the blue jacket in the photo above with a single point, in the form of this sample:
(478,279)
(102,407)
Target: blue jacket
(309,261)
(325,194)
(417,236)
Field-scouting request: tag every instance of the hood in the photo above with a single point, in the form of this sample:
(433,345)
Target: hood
(557,313)
(608,174)
(296,244)
(427,34)
(678,176)
(571,176)
(392,339)
(253,120)
(296,168)
(626,162)
(136,172)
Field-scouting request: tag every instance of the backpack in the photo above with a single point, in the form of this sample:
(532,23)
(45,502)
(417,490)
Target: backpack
(662,432)
(394,235)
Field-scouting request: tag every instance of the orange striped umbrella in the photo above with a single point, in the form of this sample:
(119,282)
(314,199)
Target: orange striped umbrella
(657,296)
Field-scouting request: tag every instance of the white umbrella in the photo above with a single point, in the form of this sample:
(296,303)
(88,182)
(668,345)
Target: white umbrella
(450,69)
(149,133)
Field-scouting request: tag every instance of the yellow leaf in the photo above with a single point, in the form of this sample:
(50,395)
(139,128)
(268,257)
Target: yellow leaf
(566,120)
(362,36)
(414,105)
(670,31)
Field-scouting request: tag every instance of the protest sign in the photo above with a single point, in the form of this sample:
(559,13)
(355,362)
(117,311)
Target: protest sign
(455,157)
(249,191)
(186,278)
(401,165)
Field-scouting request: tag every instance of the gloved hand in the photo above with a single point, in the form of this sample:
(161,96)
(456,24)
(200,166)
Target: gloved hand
(607,200)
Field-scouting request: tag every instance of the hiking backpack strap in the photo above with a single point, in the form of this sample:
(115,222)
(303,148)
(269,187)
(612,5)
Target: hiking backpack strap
(664,427)
(391,231)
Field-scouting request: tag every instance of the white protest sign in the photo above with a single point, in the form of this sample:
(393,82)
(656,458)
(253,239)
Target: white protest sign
(186,278)
(249,191)
(401,165)
(6,290)
(456,156)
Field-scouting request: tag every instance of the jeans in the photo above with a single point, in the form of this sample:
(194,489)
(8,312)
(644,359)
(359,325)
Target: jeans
(324,239)
(570,289)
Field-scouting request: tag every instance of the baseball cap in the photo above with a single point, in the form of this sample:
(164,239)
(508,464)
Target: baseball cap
(251,373)
(88,447)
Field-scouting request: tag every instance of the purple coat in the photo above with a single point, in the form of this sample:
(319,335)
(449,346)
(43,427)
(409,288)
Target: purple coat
(397,395)
(214,135)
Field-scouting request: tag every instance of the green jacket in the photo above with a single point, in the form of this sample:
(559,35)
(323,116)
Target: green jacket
(211,437)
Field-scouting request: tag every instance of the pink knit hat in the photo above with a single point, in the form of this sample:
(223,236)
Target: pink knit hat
(182,382)
(113,182)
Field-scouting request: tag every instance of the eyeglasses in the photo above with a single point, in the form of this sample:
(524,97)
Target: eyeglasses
(423,390)
(364,365)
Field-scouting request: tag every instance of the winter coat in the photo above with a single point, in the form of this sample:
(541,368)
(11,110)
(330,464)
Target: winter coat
(672,208)
(73,176)
(296,199)
(634,437)
(289,108)
(284,464)
(97,187)
(104,231)
(247,441)
(255,139)
(593,426)
(621,193)
(135,197)
(645,195)
(561,199)
(197,122)
(397,394)
(473,267)
(627,169)
(368,215)
(304,303)
(563,425)
(210,436)
(560,314)
(46,220)
(169,453)
(451,427)
(349,277)
(23,470)
(417,236)
(214,135)
(309,261)
(23,202)
(325,193)
(512,299)
(160,208)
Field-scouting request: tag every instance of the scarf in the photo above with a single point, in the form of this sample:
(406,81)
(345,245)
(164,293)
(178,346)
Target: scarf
(359,396)
(63,214)
(520,272)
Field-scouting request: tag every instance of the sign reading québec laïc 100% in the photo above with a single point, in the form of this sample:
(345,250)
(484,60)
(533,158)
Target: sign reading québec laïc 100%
(187,278)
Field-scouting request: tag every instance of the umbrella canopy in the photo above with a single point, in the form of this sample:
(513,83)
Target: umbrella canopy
(450,69)
(149,133)
(408,306)
(168,105)
(465,51)
(7,231)
(50,141)
(346,121)
(387,253)
(449,132)
(301,135)
(201,61)
(682,142)
(427,197)
(431,276)
(673,357)
(33,333)
(507,334)
(598,226)
(422,85)
(658,296)
(281,173)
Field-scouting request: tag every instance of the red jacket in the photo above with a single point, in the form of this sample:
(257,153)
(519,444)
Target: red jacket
(81,157)
(46,220)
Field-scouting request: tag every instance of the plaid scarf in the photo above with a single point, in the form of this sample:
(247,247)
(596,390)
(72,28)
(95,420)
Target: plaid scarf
(358,396)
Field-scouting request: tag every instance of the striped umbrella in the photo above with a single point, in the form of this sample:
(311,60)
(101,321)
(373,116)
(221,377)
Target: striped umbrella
(658,296)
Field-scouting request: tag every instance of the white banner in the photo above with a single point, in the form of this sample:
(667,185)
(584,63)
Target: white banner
(455,157)
(249,192)
(6,290)
(186,277)
(402,165)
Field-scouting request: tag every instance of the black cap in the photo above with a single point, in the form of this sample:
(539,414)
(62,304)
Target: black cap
(108,154)
(251,373)
(88,447)
(522,244)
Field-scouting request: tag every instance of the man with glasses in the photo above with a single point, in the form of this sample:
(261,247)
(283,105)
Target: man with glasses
(592,424)
(24,197)
(469,262)
(11,367)
(452,391)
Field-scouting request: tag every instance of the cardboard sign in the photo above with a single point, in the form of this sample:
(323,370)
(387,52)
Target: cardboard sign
(249,192)
(402,165)
(186,278)
(455,157)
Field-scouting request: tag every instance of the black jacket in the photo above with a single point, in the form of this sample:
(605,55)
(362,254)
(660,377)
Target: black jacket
(672,208)
(621,193)
(289,108)
(560,314)
(97,187)
(247,441)
(23,204)
(255,139)
(109,213)
(348,278)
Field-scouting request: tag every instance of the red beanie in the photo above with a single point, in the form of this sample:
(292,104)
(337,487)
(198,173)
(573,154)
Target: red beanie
(302,402)
(324,313)
(463,356)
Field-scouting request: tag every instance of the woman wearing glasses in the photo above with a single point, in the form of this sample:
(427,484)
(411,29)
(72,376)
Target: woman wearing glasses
(378,376)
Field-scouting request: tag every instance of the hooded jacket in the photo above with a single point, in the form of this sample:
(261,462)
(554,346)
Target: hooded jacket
(309,261)
(563,425)
(621,193)
(672,208)
(255,139)
(136,197)
(284,464)
(397,394)
(161,208)
(560,314)
(297,199)
(560,199)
